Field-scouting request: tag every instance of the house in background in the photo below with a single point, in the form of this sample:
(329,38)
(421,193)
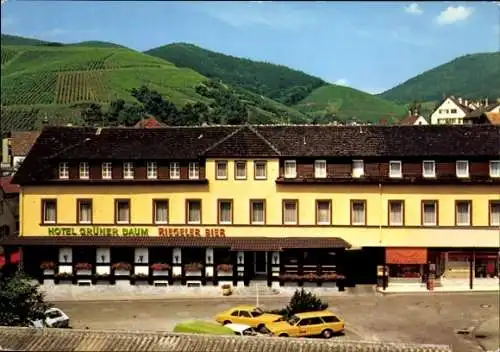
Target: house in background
(9,207)
(453,110)
(414,119)
(489,114)
(150,122)
(15,148)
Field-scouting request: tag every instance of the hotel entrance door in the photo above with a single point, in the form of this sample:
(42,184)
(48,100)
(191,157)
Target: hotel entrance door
(260,263)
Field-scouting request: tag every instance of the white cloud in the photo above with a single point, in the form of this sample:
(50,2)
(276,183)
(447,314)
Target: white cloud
(454,14)
(414,9)
(341,82)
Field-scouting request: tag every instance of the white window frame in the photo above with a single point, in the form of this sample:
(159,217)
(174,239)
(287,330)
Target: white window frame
(107,170)
(466,173)
(391,173)
(435,205)
(296,203)
(237,166)
(226,201)
(292,164)
(63,170)
(194,170)
(355,170)
(80,203)
(128,170)
(174,170)
(263,163)
(84,170)
(320,169)
(152,170)
(492,223)
(361,223)
(469,218)
(44,209)
(401,223)
(117,212)
(252,211)
(492,169)
(329,203)
(221,176)
(155,208)
(433,173)
(190,201)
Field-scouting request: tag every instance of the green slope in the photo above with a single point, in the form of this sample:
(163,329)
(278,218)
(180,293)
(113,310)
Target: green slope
(277,82)
(471,76)
(347,103)
(7,39)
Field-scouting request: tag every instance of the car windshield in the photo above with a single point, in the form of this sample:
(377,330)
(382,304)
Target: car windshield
(293,320)
(257,312)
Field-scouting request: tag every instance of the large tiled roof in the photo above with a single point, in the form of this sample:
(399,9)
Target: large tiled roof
(181,143)
(30,339)
(22,141)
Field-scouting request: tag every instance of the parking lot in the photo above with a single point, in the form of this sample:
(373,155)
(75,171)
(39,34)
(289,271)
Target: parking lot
(417,318)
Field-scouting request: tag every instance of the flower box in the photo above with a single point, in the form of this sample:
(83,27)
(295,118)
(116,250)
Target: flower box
(160,267)
(193,267)
(48,272)
(83,266)
(121,266)
(225,268)
(161,273)
(83,272)
(121,272)
(47,266)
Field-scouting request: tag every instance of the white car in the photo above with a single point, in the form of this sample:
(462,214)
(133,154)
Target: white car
(54,318)
(243,330)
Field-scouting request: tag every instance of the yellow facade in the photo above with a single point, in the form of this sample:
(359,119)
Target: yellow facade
(375,233)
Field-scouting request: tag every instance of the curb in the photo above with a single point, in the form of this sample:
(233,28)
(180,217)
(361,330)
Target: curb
(384,293)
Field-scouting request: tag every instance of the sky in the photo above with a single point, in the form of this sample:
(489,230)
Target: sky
(371,46)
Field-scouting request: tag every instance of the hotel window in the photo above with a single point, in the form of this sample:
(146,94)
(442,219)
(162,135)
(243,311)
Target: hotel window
(152,170)
(358,168)
(395,169)
(225,211)
(429,168)
(63,170)
(429,213)
(257,212)
(240,170)
(463,213)
(494,213)
(160,211)
(122,211)
(320,168)
(49,209)
(221,170)
(396,213)
(260,170)
(495,168)
(175,170)
(290,169)
(194,170)
(128,170)
(84,170)
(462,168)
(323,212)
(290,212)
(107,171)
(194,211)
(84,211)
(358,212)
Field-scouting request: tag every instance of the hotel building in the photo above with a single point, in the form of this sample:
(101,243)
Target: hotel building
(284,204)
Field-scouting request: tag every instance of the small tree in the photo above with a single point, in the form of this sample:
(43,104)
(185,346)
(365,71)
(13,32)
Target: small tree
(20,301)
(304,301)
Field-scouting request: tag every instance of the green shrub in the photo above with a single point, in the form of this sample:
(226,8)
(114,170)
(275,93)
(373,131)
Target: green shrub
(302,301)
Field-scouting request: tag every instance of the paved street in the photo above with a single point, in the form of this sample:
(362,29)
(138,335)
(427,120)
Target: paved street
(420,318)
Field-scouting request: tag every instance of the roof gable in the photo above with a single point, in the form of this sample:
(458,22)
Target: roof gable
(22,141)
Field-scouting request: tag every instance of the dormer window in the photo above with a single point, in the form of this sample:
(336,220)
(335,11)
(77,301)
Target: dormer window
(107,171)
(152,170)
(320,168)
(462,168)
(358,168)
(495,168)
(175,170)
(395,169)
(429,168)
(128,170)
(84,170)
(290,169)
(63,171)
(194,170)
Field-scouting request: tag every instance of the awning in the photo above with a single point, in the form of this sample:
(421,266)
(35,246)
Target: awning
(406,255)
(14,258)
(234,243)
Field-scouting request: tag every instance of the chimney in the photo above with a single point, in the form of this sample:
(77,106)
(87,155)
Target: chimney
(486,102)
(45,120)
(466,102)
(460,100)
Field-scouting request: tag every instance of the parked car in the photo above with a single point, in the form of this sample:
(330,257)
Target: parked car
(243,330)
(324,323)
(249,315)
(54,318)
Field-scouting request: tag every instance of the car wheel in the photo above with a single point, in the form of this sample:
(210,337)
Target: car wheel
(261,328)
(327,333)
(226,322)
(283,335)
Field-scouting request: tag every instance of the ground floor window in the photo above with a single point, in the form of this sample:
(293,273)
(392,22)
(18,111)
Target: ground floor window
(406,270)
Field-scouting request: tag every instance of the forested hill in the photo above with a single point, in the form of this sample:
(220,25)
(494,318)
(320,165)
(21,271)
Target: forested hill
(473,76)
(277,82)
(7,39)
